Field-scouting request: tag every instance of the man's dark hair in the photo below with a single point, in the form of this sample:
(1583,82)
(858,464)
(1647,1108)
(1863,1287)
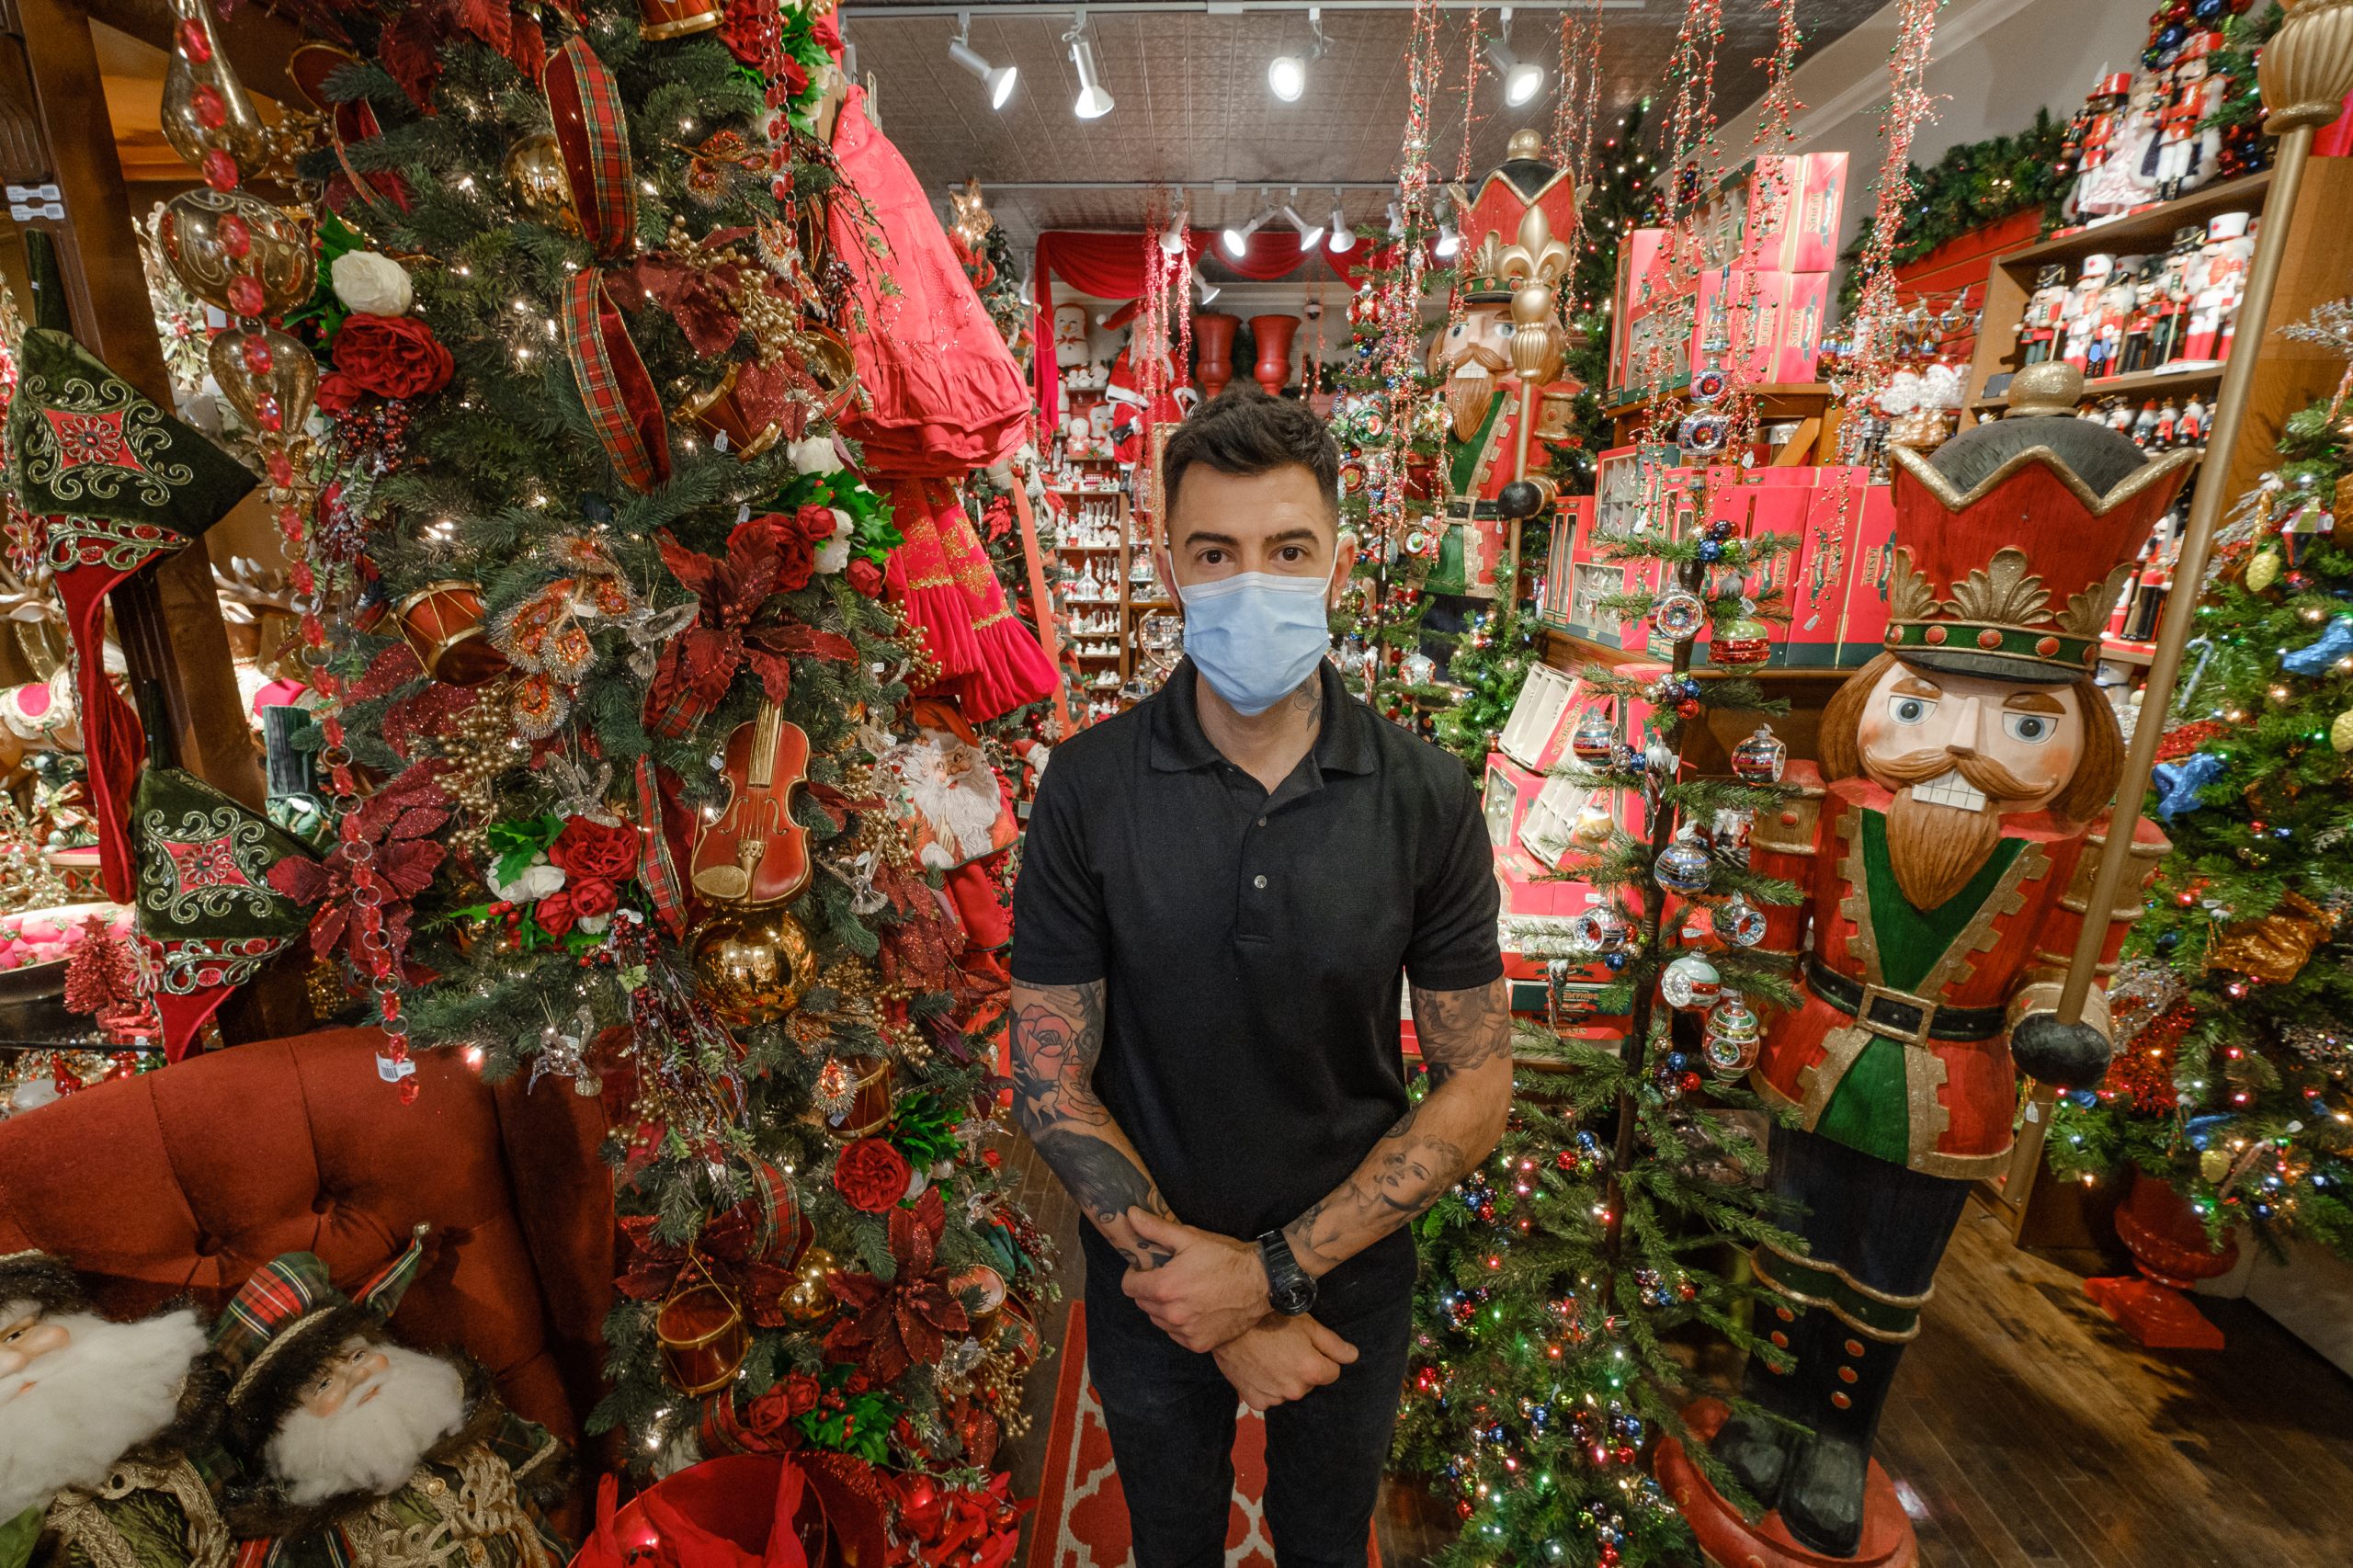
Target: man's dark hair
(1243,432)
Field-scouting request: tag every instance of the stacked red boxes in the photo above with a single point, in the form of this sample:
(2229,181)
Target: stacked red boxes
(1767,246)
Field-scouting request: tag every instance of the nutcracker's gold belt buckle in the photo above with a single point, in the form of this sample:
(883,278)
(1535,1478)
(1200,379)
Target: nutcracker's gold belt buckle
(1889,1011)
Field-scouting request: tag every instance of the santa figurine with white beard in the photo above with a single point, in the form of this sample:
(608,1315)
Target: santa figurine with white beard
(361,1453)
(107,1456)
(1946,849)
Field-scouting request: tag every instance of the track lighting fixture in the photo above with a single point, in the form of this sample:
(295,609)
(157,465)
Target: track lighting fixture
(1237,241)
(1308,233)
(1171,239)
(1286,73)
(1343,239)
(1450,240)
(1093,101)
(1208,289)
(1523,79)
(998,79)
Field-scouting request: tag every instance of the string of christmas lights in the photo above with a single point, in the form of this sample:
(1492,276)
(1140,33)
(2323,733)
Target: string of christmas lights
(1874,328)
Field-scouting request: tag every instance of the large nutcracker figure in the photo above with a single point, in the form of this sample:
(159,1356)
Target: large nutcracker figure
(1945,847)
(1502,364)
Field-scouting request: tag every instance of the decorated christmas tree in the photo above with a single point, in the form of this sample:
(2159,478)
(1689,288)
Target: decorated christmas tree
(618,647)
(2234,1086)
(1558,1281)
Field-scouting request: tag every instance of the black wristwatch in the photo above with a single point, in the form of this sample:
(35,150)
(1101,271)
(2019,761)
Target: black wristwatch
(1289,1289)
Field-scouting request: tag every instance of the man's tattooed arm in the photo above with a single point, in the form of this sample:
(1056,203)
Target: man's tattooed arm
(1466,1042)
(1057,1037)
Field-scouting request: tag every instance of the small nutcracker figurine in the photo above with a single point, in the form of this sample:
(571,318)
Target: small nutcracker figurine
(1946,846)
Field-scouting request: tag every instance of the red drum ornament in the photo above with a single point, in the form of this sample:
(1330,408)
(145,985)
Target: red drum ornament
(443,621)
(703,1336)
(1740,643)
(662,20)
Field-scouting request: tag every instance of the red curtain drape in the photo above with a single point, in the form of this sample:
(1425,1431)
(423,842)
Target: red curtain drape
(1111,266)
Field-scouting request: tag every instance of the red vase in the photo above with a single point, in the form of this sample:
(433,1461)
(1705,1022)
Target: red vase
(2168,1245)
(1273,334)
(1214,350)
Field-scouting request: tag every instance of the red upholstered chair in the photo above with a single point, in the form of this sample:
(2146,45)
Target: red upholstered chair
(190,1178)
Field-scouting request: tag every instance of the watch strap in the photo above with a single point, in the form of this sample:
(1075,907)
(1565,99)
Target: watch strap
(1289,1290)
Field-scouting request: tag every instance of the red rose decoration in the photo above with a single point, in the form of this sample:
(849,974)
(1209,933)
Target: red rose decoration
(865,577)
(555,912)
(796,563)
(392,356)
(339,393)
(801,1393)
(750,30)
(872,1175)
(827,31)
(593,898)
(816,523)
(594,852)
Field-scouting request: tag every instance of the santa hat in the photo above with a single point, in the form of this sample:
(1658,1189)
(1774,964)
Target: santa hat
(116,483)
(206,902)
(36,1281)
(287,1323)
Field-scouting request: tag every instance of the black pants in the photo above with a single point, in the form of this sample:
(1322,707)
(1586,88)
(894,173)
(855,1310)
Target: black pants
(1885,1225)
(1171,1414)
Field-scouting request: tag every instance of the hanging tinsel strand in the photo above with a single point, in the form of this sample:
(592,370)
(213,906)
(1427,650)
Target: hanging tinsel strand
(1769,196)
(1875,322)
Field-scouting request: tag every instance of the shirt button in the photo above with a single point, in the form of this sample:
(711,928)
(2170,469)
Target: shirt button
(1258,882)
(1262,821)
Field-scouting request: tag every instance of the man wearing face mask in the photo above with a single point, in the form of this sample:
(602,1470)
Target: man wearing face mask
(1219,893)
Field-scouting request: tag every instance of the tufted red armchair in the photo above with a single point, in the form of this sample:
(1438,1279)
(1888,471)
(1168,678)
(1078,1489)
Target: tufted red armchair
(190,1178)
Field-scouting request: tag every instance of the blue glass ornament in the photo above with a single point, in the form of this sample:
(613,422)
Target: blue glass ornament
(2179,783)
(1615,961)
(2335,641)
(1711,550)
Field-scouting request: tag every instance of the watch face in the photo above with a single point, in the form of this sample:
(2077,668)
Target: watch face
(1293,1298)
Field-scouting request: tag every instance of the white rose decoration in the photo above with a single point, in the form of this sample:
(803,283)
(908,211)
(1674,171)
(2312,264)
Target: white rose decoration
(814,455)
(371,284)
(534,882)
(834,555)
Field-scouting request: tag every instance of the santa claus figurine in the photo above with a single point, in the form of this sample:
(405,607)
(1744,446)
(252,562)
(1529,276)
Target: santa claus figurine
(107,1456)
(360,1453)
(1945,850)
(1502,363)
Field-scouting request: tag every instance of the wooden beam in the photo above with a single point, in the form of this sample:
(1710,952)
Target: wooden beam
(167,617)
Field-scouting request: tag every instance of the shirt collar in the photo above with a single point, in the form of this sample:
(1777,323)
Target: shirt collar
(1345,744)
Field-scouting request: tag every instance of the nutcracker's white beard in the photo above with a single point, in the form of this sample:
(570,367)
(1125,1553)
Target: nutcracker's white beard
(67,1416)
(370,1444)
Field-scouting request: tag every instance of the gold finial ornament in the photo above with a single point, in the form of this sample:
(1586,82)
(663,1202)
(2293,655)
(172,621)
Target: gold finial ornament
(2306,67)
(2048,390)
(1525,144)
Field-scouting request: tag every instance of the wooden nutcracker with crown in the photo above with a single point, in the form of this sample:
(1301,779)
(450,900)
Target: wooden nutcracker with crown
(1945,846)
(1504,395)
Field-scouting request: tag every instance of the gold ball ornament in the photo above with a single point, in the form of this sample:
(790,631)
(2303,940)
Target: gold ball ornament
(269,378)
(2263,571)
(535,174)
(2214,1164)
(237,252)
(808,1302)
(754,964)
(2340,734)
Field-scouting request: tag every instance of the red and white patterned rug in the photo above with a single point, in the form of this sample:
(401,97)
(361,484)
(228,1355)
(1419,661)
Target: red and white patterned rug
(1082,1520)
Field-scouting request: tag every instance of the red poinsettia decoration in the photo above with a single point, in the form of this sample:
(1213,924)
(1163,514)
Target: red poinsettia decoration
(893,1324)
(697,666)
(410,45)
(726,1249)
(403,821)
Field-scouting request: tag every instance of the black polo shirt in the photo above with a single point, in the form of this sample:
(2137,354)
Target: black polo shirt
(1253,943)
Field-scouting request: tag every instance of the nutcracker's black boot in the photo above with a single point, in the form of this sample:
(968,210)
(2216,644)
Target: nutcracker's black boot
(1821,1494)
(1756,1449)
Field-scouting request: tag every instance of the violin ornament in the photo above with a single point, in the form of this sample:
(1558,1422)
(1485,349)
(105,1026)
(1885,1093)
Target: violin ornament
(752,854)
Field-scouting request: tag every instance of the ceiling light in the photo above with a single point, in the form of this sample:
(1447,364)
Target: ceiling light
(1396,222)
(1093,101)
(1308,234)
(998,79)
(1286,73)
(1523,79)
(1343,239)
(1172,243)
(1208,289)
(1237,241)
(1449,241)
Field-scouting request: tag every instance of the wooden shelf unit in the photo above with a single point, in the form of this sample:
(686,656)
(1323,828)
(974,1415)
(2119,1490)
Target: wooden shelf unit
(2290,375)
(1809,404)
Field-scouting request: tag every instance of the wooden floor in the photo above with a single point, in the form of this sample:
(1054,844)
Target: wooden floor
(2024,1428)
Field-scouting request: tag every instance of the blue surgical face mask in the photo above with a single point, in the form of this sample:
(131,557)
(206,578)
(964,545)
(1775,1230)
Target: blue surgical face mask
(1257,636)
